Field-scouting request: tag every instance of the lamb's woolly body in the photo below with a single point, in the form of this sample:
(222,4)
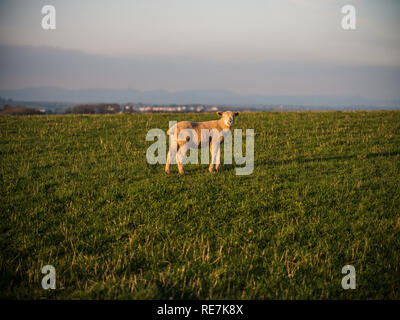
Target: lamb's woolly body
(221,126)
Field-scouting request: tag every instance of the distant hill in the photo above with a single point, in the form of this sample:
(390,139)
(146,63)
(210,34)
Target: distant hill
(205,96)
(20,110)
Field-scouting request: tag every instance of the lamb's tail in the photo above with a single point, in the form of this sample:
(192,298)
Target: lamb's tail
(171,131)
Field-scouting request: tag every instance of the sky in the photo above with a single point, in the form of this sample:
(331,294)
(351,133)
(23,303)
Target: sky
(276,47)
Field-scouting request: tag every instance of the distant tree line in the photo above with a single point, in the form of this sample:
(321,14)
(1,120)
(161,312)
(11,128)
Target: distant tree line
(19,110)
(101,108)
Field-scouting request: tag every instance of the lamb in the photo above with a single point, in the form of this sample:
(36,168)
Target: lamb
(185,135)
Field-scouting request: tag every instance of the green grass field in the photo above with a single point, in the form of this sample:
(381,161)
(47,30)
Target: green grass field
(77,193)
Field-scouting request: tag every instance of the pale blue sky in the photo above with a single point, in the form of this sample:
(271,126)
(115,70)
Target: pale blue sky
(223,34)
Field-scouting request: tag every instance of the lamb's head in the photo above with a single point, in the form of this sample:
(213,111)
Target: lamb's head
(228,117)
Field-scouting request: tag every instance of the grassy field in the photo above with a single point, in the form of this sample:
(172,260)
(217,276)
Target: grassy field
(77,193)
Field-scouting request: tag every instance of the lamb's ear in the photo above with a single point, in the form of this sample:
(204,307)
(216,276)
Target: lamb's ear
(219,113)
(237,113)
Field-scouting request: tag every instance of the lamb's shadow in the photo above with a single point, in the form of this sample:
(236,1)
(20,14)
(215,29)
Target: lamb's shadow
(231,167)
(228,167)
(321,159)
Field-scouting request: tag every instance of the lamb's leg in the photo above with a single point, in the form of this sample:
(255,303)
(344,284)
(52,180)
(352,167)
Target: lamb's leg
(215,156)
(179,156)
(211,167)
(171,154)
(167,165)
(218,158)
